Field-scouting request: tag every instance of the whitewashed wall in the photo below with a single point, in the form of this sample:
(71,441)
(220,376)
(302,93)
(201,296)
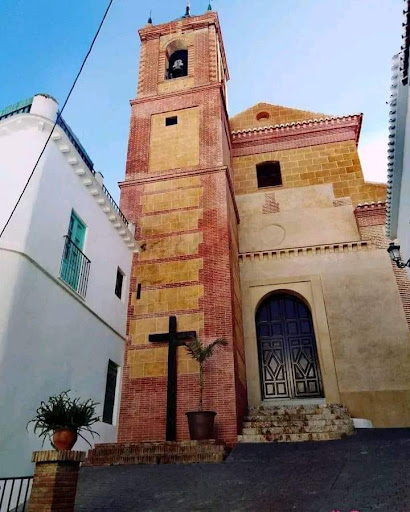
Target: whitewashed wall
(403,224)
(49,343)
(50,339)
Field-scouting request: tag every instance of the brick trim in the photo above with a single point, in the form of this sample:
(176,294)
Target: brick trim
(371,221)
(294,137)
(145,178)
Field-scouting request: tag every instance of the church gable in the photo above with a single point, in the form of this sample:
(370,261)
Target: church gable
(266,114)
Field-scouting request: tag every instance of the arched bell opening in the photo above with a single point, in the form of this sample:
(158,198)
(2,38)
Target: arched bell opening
(288,358)
(176,60)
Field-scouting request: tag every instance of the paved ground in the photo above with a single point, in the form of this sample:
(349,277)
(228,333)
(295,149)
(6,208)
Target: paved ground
(367,472)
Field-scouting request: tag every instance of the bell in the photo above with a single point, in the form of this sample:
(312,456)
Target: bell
(178,68)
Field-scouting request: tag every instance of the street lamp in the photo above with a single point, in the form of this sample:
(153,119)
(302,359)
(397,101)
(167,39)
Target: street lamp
(394,253)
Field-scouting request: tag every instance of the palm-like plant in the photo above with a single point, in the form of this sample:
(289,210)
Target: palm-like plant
(61,411)
(201,353)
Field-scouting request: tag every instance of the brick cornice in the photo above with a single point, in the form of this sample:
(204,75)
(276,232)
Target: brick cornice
(144,178)
(373,214)
(296,135)
(183,92)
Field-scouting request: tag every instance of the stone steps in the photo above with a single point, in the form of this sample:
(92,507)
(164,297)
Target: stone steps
(296,423)
(291,429)
(289,438)
(161,452)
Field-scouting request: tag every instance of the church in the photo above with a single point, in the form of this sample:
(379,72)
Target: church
(259,229)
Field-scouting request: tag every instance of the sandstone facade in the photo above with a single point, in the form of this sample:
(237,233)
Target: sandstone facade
(216,244)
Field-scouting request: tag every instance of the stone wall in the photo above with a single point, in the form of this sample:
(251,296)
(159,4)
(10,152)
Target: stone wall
(337,163)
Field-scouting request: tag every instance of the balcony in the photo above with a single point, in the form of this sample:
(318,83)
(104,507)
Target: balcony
(75,267)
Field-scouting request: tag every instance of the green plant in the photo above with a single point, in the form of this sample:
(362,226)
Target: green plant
(201,353)
(61,411)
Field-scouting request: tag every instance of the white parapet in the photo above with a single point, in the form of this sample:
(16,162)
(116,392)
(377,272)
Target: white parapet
(45,106)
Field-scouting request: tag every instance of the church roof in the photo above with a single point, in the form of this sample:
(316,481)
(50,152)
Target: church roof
(266,114)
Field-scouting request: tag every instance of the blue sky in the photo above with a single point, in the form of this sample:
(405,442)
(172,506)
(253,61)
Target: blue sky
(331,56)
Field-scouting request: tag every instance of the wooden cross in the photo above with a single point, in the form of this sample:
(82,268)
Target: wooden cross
(174,340)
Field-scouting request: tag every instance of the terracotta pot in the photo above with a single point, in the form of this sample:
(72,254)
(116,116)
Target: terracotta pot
(201,424)
(64,439)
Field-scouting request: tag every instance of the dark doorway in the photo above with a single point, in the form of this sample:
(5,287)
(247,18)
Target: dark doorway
(288,360)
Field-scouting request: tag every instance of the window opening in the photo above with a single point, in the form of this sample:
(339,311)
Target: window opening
(268,174)
(170,121)
(119,282)
(110,392)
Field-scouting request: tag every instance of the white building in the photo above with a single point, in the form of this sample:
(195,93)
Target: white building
(398,174)
(65,262)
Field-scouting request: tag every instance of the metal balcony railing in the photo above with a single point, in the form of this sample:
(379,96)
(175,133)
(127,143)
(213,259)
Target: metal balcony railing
(114,205)
(75,267)
(15,493)
(84,155)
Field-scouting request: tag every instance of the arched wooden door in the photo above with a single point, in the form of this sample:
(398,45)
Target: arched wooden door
(288,360)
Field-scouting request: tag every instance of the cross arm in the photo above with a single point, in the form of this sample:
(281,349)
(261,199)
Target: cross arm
(159,338)
(185,336)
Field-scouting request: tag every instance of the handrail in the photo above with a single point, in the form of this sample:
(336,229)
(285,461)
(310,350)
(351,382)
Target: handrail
(115,205)
(75,267)
(15,497)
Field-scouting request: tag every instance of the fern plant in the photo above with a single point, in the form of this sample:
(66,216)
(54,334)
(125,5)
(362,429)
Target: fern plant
(201,353)
(61,411)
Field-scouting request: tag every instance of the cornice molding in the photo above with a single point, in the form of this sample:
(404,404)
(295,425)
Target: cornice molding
(321,122)
(317,250)
(144,178)
(295,135)
(182,92)
(80,168)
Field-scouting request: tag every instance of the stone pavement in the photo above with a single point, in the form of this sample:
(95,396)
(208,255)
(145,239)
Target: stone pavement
(369,471)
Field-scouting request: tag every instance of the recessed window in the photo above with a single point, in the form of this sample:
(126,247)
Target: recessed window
(139,291)
(110,393)
(268,174)
(170,121)
(262,115)
(119,283)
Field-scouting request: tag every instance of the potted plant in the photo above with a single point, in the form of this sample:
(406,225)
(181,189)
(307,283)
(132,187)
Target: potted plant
(62,419)
(201,423)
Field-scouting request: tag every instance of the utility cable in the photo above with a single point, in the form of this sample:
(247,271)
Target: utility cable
(58,116)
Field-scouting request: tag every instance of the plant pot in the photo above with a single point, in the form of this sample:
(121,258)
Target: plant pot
(64,439)
(201,424)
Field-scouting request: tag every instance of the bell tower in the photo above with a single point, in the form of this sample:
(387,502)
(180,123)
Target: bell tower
(178,191)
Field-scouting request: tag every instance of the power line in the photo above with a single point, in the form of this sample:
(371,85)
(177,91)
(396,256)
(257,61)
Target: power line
(58,116)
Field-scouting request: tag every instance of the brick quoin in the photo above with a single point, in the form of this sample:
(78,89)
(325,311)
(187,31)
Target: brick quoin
(371,220)
(193,217)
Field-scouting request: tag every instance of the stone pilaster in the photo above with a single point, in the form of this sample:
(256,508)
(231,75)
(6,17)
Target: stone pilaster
(55,480)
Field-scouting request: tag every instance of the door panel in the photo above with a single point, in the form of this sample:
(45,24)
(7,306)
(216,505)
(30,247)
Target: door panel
(72,259)
(289,365)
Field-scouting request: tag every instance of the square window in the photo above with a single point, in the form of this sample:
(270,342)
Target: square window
(119,282)
(170,121)
(268,174)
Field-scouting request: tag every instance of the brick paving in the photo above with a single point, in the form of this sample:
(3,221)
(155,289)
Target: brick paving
(369,471)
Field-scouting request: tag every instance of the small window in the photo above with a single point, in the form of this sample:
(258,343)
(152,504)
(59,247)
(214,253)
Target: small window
(119,282)
(139,291)
(110,392)
(170,121)
(268,174)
